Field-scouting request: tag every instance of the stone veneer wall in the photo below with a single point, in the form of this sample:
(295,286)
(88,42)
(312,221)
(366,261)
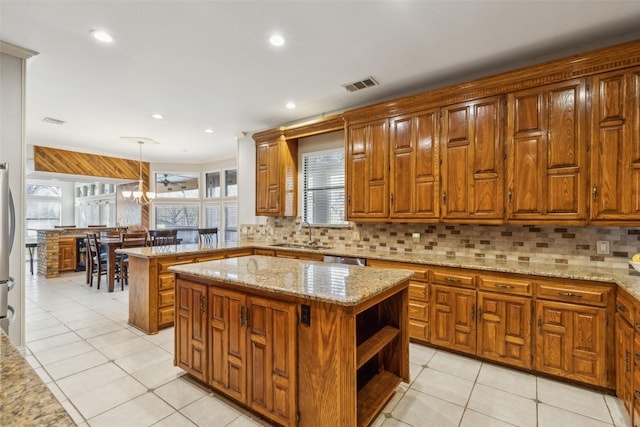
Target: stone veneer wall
(545,244)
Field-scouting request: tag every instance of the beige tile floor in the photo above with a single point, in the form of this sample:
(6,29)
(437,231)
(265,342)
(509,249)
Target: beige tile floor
(106,373)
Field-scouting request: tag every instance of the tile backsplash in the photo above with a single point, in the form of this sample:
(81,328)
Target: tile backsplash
(547,244)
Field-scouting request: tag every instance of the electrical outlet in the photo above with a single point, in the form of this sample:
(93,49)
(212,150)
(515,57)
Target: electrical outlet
(602,247)
(415,237)
(356,236)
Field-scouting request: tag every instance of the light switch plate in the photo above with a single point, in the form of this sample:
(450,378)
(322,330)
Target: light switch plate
(415,237)
(602,247)
(356,236)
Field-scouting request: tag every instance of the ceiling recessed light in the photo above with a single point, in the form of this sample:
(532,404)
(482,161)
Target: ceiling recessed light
(276,40)
(291,105)
(157,116)
(102,36)
(208,130)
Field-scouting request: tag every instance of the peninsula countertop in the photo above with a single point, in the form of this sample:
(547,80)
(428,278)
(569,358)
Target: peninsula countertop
(333,283)
(25,399)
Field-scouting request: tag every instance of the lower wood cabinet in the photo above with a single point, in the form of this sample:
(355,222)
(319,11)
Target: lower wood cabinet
(453,318)
(625,365)
(67,254)
(250,352)
(504,328)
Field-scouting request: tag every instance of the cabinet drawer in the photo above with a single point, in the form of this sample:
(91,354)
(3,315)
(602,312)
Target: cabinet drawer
(418,291)
(165,298)
(625,307)
(210,257)
(505,285)
(577,294)
(418,310)
(420,272)
(165,316)
(419,330)
(457,278)
(163,266)
(165,281)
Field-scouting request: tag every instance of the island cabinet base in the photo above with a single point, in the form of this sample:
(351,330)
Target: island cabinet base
(295,361)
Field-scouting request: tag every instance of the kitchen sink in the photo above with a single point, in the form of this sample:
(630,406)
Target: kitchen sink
(294,246)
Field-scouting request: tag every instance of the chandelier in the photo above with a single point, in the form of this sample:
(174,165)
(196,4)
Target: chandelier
(138,196)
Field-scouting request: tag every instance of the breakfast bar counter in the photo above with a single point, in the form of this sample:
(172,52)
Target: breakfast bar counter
(299,342)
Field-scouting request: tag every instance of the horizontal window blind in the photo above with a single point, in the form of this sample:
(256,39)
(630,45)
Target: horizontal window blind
(323,188)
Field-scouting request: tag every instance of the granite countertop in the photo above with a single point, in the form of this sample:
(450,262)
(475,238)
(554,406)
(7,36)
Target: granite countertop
(26,400)
(333,283)
(184,249)
(625,278)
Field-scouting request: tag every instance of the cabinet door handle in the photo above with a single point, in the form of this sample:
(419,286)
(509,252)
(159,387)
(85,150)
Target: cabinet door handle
(621,308)
(539,325)
(349,200)
(510,195)
(391,198)
(444,198)
(503,286)
(241,315)
(637,394)
(637,356)
(473,312)
(202,304)
(569,294)
(594,192)
(452,279)
(246,317)
(638,325)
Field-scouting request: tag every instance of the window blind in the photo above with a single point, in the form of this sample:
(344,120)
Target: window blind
(323,188)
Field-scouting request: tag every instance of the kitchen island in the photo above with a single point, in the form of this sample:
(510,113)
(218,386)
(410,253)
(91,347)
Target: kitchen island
(300,342)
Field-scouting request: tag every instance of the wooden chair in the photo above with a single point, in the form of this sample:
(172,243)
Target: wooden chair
(163,237)
(130,239)
(96,262)
(208,236)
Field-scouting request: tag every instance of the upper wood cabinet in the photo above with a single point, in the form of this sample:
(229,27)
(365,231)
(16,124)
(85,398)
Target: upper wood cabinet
(415,166)
(546,154)
(276,177)
(615,147)
(367,166)
(473,161)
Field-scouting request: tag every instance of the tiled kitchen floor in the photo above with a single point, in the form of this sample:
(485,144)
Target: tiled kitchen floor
(106,373)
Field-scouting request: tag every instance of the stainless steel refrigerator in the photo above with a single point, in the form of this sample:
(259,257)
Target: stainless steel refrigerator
(7,233)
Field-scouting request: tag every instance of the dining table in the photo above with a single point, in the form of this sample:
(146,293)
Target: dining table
(110,244)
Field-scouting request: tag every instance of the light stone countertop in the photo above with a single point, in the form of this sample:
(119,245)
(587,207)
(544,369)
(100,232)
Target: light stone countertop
(24,399)
(333,283)
(625,278)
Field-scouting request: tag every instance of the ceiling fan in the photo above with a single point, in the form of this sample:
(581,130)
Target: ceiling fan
(166,181)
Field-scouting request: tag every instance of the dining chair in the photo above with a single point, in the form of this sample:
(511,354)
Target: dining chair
(163,237)
(130,239)
(97,262)
(208,236)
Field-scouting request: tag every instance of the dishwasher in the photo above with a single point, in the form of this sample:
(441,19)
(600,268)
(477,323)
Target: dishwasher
(330,259)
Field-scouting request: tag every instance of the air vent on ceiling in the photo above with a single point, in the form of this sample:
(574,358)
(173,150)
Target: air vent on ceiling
(53,121)
(361,84)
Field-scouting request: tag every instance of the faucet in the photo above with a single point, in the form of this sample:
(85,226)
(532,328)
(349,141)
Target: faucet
(310,242)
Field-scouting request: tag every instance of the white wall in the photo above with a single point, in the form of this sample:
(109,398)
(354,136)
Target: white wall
(12,151)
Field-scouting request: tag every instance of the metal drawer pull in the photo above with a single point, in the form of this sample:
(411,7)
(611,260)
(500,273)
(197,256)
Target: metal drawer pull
(620,307)
(569,294)
(241,315)
(452,279)
(638,325)
(637,356)
(637,393)
(503,286)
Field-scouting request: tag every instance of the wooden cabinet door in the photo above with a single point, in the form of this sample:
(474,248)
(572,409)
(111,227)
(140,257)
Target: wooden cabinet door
(453,322)
(570,341)
(191,328)
(546,153)
(272,359)
(624,363)
(228,338)
(473,161)
(368,170)
(67,254)
(267,178)
(615,147)
(504,328)
(415,166)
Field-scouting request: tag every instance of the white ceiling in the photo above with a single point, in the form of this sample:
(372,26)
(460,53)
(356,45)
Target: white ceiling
(208,64)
